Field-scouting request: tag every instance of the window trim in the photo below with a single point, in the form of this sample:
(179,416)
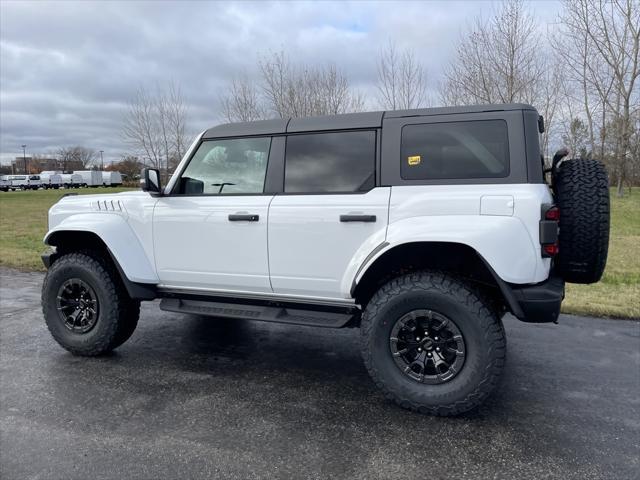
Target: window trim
(176,185)
(506,174)
(376,161)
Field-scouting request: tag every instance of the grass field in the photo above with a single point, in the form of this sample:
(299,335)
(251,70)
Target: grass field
(23,222)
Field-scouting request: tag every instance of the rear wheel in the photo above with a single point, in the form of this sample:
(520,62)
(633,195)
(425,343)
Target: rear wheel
(86,307)
(431,344)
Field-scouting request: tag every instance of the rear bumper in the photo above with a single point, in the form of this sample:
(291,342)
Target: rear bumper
(539,303)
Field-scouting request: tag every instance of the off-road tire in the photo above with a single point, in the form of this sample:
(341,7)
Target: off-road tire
(129,322)
(481,328)
(115,317)
(582,195)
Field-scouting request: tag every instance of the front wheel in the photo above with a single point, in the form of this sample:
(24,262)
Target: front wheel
(431,344)
(85,305)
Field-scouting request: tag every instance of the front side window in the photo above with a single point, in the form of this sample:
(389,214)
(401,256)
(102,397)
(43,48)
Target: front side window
(474,149)
(330,162)
(227,167)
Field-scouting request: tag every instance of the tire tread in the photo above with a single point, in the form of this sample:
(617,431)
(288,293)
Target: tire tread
(490,323)
(582,195)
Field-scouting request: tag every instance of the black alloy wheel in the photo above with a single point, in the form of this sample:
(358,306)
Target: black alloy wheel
(427,346)
(77,305)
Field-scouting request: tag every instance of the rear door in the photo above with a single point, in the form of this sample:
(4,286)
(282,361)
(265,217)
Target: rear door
(329,209)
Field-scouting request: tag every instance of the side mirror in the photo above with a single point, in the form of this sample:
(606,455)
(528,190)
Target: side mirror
(150,180)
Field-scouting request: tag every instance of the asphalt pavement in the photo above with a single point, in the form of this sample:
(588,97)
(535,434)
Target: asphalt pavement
(193,397)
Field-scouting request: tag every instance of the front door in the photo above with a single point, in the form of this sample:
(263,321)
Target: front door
(210,232)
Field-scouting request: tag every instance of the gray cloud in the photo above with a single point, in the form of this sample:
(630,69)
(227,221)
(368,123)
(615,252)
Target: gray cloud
(68,69)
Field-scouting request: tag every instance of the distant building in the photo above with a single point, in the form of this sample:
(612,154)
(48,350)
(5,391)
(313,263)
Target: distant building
(38,164)
(21,164)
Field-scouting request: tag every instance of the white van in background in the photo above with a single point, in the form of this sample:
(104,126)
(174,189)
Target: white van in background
(34,182)
(91,178)
(51,180)
(72,180)
(17,182)
(111,179)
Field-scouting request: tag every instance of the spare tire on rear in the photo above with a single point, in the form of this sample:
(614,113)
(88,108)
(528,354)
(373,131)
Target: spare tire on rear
(582,195)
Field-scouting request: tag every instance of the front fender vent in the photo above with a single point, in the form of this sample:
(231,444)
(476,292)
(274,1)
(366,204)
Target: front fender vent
(107,206)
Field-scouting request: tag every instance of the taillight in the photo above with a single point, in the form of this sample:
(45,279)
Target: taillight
(549,230)
(553,213)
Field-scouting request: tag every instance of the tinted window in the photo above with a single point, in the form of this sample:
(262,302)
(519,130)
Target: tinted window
(455,150)
(330,162)
(227,167)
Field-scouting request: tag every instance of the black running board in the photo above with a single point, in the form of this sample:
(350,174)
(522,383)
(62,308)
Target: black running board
(264,313)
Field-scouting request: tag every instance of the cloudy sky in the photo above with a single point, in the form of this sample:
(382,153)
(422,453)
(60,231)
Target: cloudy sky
(68,69)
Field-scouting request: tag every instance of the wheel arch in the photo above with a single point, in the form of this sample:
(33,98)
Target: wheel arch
(124,251)
(456,258)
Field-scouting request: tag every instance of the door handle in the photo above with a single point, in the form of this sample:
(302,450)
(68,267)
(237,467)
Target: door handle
(357,218)
(243,217)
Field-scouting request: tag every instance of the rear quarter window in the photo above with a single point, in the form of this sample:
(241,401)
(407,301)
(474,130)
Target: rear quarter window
(450,150)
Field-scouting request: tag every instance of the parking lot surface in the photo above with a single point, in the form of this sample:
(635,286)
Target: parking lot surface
(194,397)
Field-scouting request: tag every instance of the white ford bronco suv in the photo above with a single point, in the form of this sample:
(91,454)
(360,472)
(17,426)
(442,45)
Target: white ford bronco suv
(421,227)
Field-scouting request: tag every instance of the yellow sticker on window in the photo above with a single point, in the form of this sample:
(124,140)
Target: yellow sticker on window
(414,160)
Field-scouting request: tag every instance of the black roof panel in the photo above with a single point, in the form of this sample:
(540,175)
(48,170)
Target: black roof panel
(419,112)
(260,127)
(336,122)
(345,121)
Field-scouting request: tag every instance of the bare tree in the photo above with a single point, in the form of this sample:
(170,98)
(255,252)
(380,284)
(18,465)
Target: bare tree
(501,61)
(154,125)
(606,37)
(299,91)
(86,156)
(177,113)
(402,80)
(576,138)
(141,128)
(75,158)
(243,102)
(288,90)
(128,165)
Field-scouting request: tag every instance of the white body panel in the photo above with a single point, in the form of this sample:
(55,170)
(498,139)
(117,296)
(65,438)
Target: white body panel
(299,247)
(196,245)
(500,222)
(123,221)
(92,178)
(310,248)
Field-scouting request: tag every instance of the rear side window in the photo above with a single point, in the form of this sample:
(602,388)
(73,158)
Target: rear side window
(330,162)
(476,149)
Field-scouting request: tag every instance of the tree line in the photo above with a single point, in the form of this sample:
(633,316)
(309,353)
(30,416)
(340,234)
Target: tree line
(580,72)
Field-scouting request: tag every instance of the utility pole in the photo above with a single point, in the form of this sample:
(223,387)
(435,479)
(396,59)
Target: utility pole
(101,160)
(24,158)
